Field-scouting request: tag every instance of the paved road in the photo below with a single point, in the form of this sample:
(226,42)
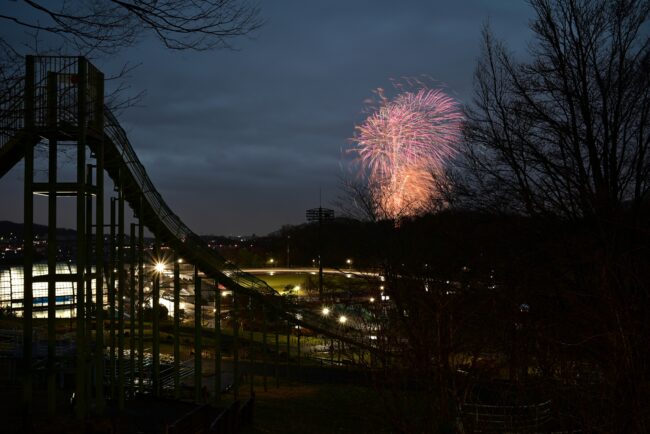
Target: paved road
(308,270)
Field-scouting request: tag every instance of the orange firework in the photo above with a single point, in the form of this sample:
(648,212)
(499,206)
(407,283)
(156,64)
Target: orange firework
(403,144)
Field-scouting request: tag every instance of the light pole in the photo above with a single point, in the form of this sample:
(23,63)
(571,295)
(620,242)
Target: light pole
(342,320)
(159,269)
(320,215)
(288,251)
(177,348)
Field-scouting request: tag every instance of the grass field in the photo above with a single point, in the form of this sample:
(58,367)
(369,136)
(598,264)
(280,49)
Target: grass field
(332,283)
(279,282)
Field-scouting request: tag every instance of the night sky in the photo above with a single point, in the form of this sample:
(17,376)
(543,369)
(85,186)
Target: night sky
(240,142)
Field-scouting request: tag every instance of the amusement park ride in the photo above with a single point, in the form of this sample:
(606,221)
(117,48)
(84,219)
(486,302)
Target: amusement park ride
(60,103)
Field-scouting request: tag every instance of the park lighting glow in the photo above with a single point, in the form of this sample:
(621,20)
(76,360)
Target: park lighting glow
(159,267)
(343,319)
(403,144)
(372,299)
(180,260)
(325,311)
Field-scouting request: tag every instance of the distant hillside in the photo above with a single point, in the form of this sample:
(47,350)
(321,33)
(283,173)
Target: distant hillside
(7,229)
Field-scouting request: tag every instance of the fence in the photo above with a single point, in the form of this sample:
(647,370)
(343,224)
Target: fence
(479,418)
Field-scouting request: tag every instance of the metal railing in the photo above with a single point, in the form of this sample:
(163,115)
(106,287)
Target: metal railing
(166,216)
(12,119)
(505,418)
(65,70)
(11,112)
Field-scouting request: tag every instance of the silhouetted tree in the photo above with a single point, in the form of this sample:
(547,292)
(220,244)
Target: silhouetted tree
(101,27)
(565,135)
(566,132)
(107,25)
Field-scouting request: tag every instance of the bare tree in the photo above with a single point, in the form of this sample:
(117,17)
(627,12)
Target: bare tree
(368,199)
(566,135)
(361,199)
(108,25)
(102,27)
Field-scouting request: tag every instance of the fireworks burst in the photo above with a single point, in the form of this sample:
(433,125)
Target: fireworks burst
(403,144)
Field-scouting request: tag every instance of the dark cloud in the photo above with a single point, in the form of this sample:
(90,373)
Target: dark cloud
(242,141)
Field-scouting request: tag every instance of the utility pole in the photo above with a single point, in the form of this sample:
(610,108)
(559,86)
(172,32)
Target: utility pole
(320,215)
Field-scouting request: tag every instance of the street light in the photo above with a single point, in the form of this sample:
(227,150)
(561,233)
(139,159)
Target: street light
(325,311)
(159,267)
(343,319)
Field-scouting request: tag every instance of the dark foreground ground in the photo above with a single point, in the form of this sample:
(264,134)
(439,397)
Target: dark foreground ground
(294,408)
(318,409)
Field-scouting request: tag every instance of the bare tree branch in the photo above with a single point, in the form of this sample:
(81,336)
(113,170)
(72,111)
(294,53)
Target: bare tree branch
(566,133)
(108,25)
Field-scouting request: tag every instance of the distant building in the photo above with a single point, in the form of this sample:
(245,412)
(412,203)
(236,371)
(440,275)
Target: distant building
(11,290)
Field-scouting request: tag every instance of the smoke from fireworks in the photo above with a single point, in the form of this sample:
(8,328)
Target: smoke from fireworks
(403,144)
